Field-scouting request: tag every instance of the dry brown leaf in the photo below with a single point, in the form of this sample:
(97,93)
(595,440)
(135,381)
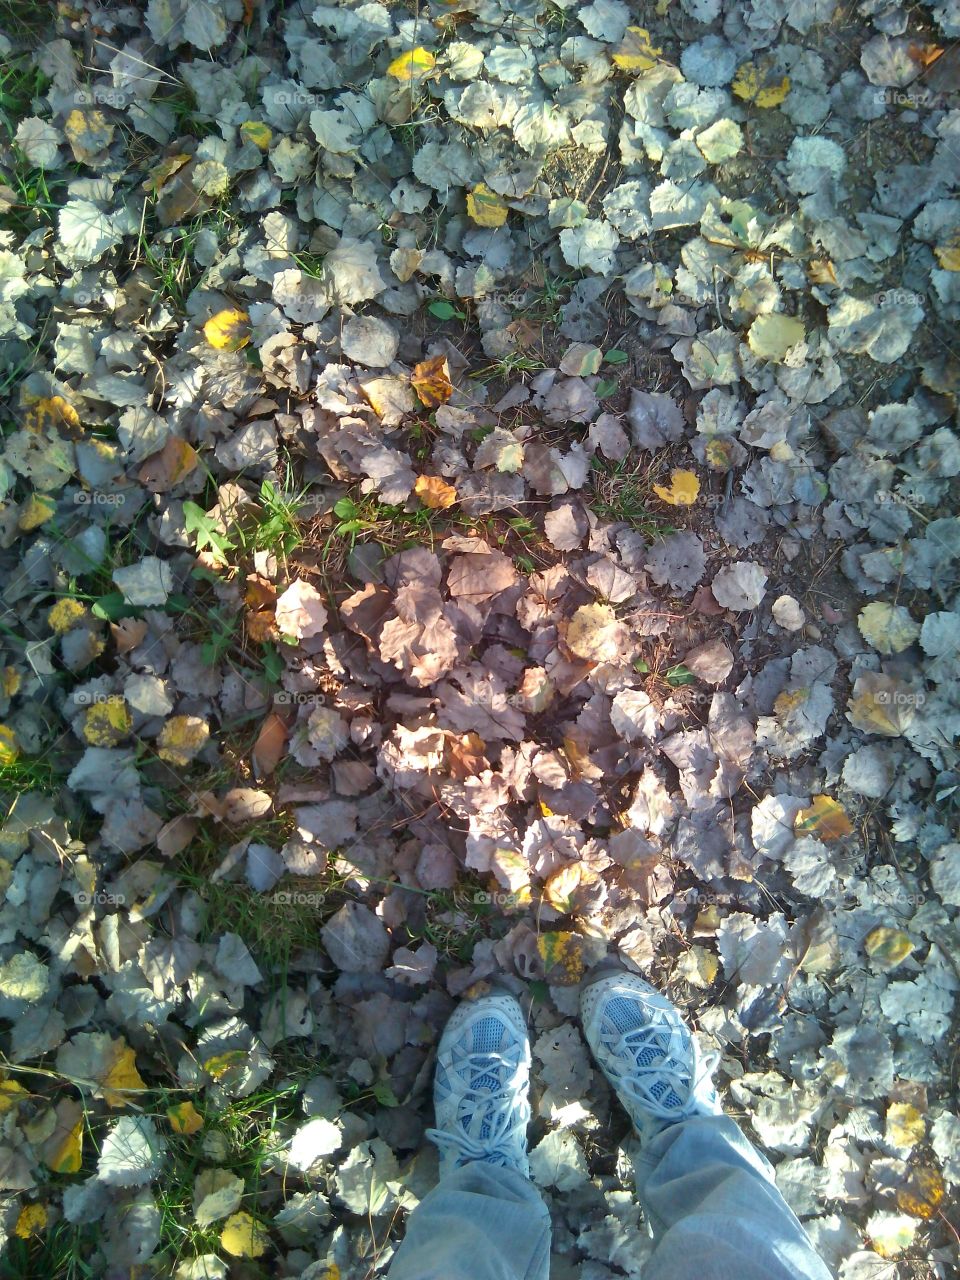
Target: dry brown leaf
(270,745)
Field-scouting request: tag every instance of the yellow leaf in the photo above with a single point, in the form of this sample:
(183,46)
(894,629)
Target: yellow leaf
(32,1220)
(891,1234)
(161,174)
(771,336)
(257,132)
(905,1125)
(948,253)
(108,722)
(635,52)
(67,1155)
(88,133)
(682,490)
(435,493)
(413,65)
(560,888)
(9,750)
(923,1193)
(65,614)
(888,947)
(37,510)
(184,1118)
(228,330)
(10,1094)
(243,1237)
(887,627)
(431,382)
(49,411)
(181,738)
(594,633)
(10,681)
(822,271)
(485,207)
(221,1063)
(825,819)
(760,84)
(122,1076)
(562,956)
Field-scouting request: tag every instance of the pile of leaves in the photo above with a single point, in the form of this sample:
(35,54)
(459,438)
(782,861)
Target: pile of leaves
(477,497)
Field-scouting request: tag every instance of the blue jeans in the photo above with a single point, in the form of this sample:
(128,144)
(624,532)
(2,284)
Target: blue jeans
(709,1197)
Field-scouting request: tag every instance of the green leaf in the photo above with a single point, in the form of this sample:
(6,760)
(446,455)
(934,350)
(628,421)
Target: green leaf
(445,310)
(385,1095)
(177,603)
(113,606)
(606,387)
(344,508)
(272,664)
(679,675)
(616,356)
(641,666)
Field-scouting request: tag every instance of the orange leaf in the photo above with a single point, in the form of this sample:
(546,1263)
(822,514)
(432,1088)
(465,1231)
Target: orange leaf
(262,626)
(164,470)
(435,493)
(270,745)
(431,381)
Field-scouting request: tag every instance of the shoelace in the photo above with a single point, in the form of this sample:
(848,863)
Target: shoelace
(505,1120)
(631,1043)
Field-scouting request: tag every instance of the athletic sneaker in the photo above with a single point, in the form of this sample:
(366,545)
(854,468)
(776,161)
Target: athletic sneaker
(480,1091)
(646,1051)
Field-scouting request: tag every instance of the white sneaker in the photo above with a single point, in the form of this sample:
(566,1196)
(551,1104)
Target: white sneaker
(647,1052)
(481,1087)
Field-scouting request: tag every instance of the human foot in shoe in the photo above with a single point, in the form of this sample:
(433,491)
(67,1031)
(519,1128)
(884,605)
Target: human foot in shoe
(482,1084)
(647,1052)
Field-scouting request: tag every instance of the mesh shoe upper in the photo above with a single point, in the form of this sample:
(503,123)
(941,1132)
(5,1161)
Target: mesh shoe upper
(646,1052)
(482,1084)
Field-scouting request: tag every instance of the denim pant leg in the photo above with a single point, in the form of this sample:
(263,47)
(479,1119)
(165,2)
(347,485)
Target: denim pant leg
(715,1211)
(480,1222)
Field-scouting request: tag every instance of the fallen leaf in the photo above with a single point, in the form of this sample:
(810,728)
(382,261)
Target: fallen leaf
(413,65)
(771,336)
(682,490)
(635,52)
(435,493)
(485,207)
(887,627)
(243,1237)
(825,819)
(164,470)
(184,1118)
(228,330)
(269,747)
(888,947)
(760,84)
(431,382)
